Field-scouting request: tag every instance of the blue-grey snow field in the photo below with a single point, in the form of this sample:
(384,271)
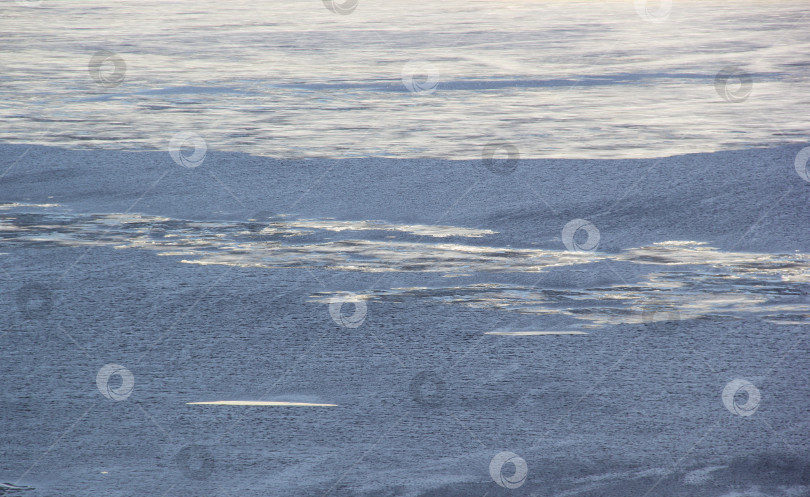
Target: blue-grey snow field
(365,317)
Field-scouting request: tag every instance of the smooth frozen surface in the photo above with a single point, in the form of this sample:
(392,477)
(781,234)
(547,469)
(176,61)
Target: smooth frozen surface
(215,283)
(290,78)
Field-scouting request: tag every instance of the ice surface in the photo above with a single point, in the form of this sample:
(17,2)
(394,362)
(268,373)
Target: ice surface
(218,284)
(289,78)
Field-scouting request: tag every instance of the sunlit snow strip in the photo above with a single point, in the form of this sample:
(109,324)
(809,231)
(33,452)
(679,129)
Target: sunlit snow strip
(788,322)
(258,403)
(531,333)
(13,205)
(415,229)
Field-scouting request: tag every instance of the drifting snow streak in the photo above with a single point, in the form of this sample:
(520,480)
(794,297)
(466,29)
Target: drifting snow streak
(258,403)
(533,333)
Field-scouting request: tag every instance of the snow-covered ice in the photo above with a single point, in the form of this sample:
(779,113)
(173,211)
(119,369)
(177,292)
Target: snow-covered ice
(217,284)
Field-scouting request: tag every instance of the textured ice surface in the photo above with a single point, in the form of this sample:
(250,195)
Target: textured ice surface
(215,284)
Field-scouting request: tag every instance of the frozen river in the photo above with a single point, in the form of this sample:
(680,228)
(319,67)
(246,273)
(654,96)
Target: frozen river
(459,248)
